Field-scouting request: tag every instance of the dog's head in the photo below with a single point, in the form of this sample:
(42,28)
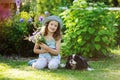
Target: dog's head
(76,62)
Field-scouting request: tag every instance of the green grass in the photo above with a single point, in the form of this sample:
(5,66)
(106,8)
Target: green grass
(105,69)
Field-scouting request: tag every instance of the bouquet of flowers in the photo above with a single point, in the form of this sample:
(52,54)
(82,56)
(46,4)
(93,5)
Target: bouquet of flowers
(37,37)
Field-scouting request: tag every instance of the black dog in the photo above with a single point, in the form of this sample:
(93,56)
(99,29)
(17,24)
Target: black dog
(77,62)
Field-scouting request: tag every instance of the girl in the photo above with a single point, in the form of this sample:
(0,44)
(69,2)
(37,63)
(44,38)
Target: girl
(49,53)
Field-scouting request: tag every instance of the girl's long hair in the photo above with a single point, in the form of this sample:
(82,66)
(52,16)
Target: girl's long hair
(57,35)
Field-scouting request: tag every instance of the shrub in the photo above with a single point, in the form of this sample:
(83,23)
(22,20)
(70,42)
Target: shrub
(89,31)
(117,16)
(15,30)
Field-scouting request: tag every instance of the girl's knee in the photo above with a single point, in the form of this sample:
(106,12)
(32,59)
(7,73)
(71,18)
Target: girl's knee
(53,64)
(40,63)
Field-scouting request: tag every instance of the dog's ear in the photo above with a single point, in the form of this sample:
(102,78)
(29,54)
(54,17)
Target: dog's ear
(77,57)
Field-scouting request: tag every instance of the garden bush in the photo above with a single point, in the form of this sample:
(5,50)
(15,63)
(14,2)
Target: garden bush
(89,31)
(117,38)
(13,33)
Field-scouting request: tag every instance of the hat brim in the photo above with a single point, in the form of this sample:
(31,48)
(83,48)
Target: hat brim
(53,18)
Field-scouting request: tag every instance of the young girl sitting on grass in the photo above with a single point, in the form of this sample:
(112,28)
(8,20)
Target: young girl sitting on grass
(49,53)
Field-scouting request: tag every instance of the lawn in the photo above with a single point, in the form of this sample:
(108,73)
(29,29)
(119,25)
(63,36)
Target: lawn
(104,69)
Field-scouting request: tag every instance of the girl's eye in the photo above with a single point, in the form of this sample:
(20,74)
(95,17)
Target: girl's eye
(55,25)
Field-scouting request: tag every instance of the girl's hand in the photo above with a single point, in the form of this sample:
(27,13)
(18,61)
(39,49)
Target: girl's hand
(39,51)
(43,46)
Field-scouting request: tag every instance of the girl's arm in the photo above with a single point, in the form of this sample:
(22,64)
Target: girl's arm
(50,50)
(36,49)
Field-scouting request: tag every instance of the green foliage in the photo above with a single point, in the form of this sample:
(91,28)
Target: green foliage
(26,6)
(14,32)
(117,16)
(40,6)
(19,26)
(89,32)
(52,6)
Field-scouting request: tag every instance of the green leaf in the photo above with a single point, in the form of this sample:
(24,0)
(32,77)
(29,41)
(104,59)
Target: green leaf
(76,20)
(97,46)
(104,51)
(97,39)
(91,30)
(105,39)
(79,40)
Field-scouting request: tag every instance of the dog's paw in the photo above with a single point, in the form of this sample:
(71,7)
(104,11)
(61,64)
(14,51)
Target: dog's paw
(90,69)
(62,65)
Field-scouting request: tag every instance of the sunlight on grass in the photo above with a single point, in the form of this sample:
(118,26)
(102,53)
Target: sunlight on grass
(4,67)
(32,74)
(7,72)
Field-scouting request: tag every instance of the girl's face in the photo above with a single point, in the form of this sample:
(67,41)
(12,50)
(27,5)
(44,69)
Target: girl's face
(52,26)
